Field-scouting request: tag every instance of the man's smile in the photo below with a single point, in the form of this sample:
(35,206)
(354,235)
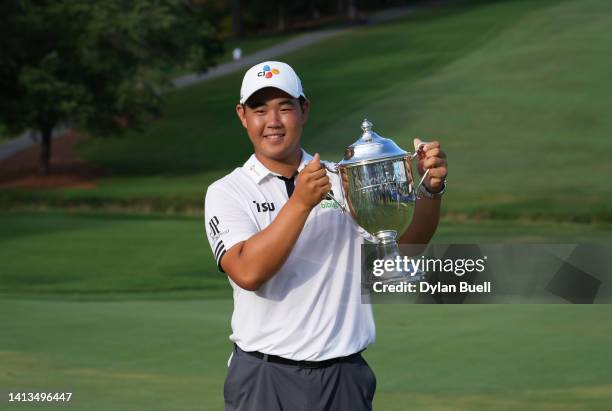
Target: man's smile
(274,137)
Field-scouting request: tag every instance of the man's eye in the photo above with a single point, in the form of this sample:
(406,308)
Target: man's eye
(259,112)
(287,109)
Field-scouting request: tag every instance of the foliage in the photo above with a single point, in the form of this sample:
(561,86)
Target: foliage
(94,64)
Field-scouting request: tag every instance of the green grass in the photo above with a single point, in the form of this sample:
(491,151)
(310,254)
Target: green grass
(172,355)
(128,311)
(516,91)
(84,253)
(492,358)
(98,255)
(117,356)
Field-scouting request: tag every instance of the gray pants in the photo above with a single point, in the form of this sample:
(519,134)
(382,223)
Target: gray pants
(253,384)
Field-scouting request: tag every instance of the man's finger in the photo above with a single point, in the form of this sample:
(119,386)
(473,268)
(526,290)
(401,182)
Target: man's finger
(433,162)
(435,152)
(416,143)
(438,172)
(324,191)
(321,181)
(315,163)
(436,182)
(317,174)
(431,145)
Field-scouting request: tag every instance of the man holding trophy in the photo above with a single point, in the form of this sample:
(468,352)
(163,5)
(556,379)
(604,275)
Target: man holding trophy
(291,249)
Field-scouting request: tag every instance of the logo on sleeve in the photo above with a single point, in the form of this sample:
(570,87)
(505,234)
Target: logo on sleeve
(214,228)
(264,207)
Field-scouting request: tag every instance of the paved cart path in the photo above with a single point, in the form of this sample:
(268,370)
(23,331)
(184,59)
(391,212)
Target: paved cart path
(286,47)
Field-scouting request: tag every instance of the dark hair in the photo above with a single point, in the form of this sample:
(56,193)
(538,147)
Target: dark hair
(252,104)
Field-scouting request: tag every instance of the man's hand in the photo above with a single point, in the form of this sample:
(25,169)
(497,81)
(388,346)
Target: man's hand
(432,158)
(427,211)
(312,184)
(252,262)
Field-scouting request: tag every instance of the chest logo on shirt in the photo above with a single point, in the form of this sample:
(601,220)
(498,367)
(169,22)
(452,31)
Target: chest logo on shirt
(264,207)
(329,204)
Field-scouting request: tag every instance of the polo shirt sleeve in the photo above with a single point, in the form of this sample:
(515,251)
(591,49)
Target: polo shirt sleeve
(226,221)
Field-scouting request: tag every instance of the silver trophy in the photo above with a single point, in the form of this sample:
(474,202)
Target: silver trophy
(379,193)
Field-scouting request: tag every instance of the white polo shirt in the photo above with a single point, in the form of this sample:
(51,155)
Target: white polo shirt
(311,308)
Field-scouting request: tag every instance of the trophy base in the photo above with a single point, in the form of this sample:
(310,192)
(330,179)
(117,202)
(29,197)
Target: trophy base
(387,249)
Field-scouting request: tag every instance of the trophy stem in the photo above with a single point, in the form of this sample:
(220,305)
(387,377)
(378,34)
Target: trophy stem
(387,249)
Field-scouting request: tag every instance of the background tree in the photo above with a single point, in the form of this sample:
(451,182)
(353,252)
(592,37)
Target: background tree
(98,65)
(237,28)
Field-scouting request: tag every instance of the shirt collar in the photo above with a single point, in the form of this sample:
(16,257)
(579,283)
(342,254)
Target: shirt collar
(258,172)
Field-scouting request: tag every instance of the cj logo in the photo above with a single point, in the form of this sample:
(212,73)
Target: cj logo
(267,72)
(263,207)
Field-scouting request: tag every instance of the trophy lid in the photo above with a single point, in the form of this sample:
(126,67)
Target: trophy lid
(370,147)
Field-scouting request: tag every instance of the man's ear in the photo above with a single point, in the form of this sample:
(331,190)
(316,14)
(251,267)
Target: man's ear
(241,112)
(305,111)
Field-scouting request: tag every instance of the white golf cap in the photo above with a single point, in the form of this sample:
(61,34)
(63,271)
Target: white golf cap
(271,74)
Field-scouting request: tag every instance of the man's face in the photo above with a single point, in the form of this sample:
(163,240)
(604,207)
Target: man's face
(274,123)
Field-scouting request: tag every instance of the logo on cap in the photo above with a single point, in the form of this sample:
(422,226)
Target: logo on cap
(267,72)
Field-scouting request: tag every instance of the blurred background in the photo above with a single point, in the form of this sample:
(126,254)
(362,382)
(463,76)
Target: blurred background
(115,116)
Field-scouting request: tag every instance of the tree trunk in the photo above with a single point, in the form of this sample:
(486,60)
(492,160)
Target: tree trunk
(237,19)
(351,12)
(45,152)
(282,17)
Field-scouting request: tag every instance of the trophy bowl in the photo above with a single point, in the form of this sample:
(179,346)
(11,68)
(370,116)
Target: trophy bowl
(379,191)
(380,195)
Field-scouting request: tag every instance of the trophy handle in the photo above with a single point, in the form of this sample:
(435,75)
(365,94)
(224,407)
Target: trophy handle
(418,151)
(333,168)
